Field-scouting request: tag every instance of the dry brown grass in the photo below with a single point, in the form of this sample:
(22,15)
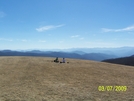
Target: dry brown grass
(39,79)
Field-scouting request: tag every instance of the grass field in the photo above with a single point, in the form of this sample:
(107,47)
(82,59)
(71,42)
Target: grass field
(40,79)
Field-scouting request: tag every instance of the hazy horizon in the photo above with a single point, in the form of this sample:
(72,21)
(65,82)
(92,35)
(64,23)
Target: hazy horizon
(63,24)
(75,48)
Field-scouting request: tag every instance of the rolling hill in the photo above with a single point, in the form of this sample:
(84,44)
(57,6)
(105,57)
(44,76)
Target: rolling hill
(40,79)
(123,60)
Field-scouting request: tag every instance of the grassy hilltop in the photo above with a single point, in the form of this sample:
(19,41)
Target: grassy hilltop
(40,79)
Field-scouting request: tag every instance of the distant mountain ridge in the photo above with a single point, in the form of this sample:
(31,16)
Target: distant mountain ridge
(97,54)
(132,55)
(87,56)
(119,51)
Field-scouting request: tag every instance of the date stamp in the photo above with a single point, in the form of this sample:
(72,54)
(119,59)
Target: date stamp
(112,88)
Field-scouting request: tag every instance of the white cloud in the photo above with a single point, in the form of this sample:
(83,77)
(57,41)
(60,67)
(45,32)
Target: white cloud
(50,27)
(24,40)
(81,38)
(2,14)
(94,34)
(61,41)
(130,28)
(3,39)
(75,36)
(42,41)
(106,30)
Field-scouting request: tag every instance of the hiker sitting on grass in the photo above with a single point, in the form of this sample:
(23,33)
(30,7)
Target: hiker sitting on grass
(56,60)
(63,61)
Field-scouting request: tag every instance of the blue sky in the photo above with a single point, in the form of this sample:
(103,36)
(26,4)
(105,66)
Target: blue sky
(61,24)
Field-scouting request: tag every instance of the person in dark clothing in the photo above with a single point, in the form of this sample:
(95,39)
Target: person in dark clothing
(56,60)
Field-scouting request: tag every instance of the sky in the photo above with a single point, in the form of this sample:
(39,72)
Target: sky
(62,24)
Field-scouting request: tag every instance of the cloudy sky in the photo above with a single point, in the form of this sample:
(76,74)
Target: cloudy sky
(60,24)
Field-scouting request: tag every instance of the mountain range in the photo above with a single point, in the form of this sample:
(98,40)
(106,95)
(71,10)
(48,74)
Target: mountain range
(87,56)
(97,54)
(119,52)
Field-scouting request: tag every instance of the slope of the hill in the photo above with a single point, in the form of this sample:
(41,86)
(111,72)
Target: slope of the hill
(124,61)
(40,79)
